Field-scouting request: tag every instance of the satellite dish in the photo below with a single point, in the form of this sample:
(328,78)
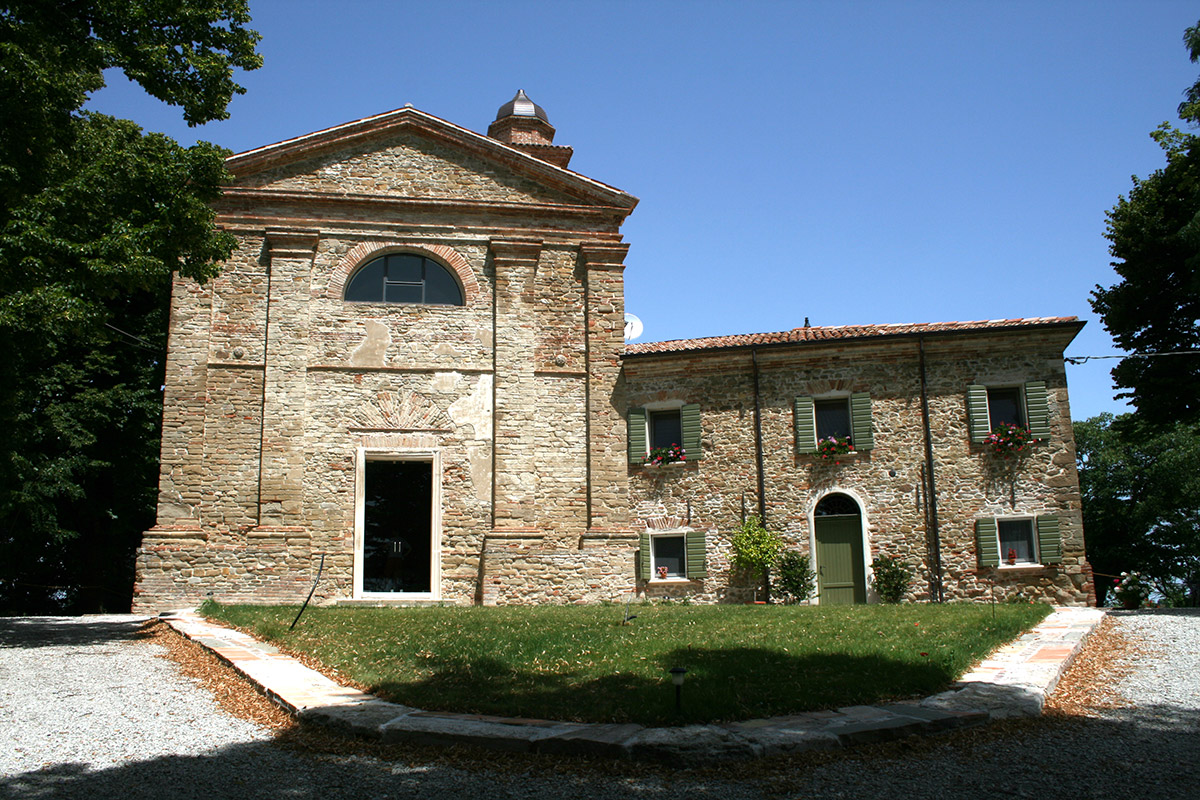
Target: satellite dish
(633,327)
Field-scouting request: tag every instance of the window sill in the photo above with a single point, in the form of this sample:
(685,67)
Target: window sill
(1024,567)
(671,465)
(668,581)
(819,459)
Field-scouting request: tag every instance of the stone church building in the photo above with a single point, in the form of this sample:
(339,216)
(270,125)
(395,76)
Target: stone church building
(412,378)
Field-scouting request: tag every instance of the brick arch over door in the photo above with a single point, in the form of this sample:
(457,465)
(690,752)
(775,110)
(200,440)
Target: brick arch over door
(363,252)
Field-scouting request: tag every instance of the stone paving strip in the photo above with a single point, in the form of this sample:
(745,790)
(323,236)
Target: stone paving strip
(1013,681)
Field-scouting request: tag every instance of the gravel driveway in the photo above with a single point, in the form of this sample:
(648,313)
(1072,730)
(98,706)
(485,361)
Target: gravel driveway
(88,711)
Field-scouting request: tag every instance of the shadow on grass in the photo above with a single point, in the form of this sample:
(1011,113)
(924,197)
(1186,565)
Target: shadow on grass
(721,685)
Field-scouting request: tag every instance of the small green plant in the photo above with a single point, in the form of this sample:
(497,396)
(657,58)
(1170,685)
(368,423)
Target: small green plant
(756,549)
(892,577)
(209,608)
(794,577)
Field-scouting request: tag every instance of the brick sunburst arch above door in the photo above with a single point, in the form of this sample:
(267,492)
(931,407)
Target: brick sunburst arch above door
(363,252)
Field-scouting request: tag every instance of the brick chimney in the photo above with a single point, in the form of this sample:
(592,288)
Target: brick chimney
(521,123)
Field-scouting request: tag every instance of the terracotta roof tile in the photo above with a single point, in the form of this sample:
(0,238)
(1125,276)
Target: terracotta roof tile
(818,334)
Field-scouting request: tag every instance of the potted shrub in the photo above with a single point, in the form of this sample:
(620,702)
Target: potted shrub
(1131,590)
(891,578)
(794,577)
(755,550)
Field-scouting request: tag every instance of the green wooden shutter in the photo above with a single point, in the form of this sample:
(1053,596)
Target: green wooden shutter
(644,556)
(694,542)
(1037,409)
(1049,540)
(860,421)
(637,435)
(987,542)
(977,413)
(806,425)
(689,421)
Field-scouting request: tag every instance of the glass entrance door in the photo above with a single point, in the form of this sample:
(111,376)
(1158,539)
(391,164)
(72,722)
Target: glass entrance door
(397,527)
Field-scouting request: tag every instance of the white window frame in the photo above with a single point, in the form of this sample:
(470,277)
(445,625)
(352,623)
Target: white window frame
(671,534)
(433,457)
(1022,411)
(844,397)
(659,406)
(1031,521)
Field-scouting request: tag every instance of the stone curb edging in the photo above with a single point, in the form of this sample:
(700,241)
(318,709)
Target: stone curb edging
(1013,681)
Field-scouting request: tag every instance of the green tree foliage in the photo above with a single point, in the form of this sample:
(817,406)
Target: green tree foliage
(1141,502)
(1140,473)
(891,578)
(1154,235)
(1189,109)
(755,549)
(794,580)
(95,217)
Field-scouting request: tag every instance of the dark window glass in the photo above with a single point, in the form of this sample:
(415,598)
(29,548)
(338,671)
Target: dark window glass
(1004,405)
(367,284)
(403,293)
(669,553)
(666,428)
(836,505)
(833,418)
(1016,541)
(406,268)
(441,288)
(404,278)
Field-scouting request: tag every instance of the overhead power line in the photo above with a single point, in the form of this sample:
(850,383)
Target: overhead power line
(1085,359)
(138,339)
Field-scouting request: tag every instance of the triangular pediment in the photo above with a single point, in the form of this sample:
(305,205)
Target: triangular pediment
(410,154)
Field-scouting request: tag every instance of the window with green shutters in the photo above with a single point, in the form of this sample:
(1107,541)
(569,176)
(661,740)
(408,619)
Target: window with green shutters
(819,418)
(1018,541)
(651,428)
(672,555)
(1026,405)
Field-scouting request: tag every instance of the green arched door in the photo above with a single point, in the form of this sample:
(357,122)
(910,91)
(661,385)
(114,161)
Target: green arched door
(841,570)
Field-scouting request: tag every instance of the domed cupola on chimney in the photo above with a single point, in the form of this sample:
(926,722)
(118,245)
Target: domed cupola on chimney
(523,124)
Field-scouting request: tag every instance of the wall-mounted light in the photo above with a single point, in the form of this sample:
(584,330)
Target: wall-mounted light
(677,674)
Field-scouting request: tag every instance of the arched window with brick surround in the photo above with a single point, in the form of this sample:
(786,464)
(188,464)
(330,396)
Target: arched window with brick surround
(404,278)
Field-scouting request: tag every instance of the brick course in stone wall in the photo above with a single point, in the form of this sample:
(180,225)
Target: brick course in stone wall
(279,392)
(886,481)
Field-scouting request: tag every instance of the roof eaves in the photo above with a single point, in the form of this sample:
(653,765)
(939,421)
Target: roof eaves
(368,126)
(756,341)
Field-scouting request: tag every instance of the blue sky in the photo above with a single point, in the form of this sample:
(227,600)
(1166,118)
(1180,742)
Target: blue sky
(852,162)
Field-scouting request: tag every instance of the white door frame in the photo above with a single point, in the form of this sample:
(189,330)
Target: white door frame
(868,575)
(431,456)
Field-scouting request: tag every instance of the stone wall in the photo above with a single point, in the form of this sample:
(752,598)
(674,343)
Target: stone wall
(887,481)
(279,391)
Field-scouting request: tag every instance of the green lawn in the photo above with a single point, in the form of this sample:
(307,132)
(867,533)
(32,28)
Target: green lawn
(581,663)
